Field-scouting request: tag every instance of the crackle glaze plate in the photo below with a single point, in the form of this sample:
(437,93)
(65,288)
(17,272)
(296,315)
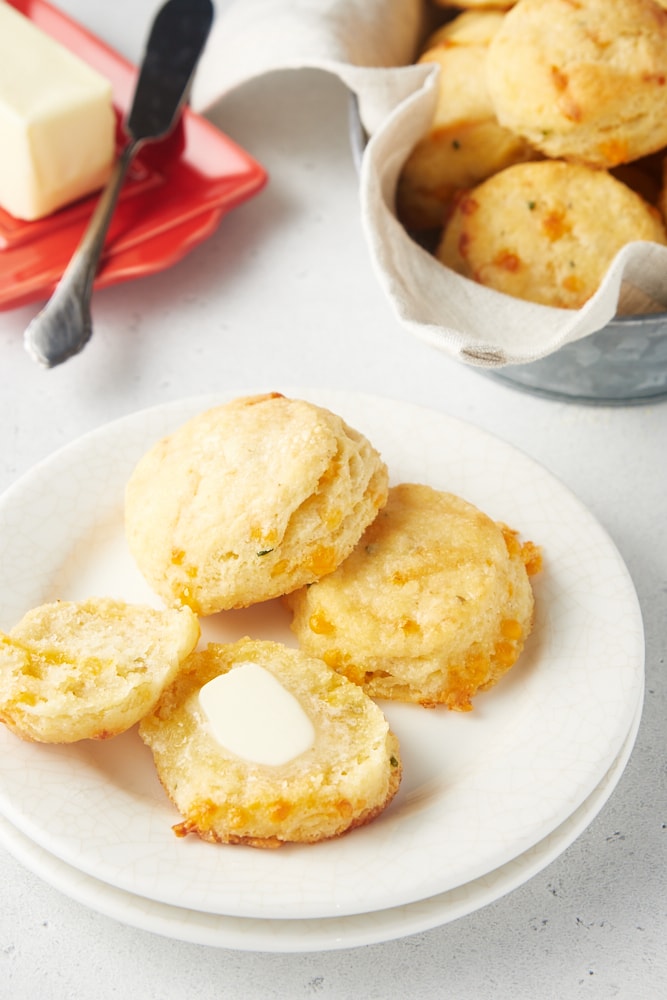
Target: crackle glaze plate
(326,934)
(479,789)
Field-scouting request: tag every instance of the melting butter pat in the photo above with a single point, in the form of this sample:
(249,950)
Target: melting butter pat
(252,715)
(57,125)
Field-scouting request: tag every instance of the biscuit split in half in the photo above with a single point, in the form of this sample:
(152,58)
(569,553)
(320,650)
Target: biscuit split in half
(89,670)
(346,775)
(250,500)
(433,605)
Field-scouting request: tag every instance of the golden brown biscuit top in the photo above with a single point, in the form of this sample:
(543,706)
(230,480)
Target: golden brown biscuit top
(546,231)
(585,79)
(250,499)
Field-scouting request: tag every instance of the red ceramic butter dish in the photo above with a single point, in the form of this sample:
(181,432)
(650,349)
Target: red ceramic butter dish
(174,196)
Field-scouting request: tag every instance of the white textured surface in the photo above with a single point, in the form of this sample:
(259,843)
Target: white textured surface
(284,293)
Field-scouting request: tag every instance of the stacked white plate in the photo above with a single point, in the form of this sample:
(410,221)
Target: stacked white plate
(488,798)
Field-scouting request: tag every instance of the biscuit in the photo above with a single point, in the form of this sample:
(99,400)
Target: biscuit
(89,670)
(584,81)
(473,27)
(250,500)
(474,5)
(346,776)
(465,143)
(433,605)
(546,232)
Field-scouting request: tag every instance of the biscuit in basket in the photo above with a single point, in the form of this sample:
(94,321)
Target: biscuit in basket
(242,779)
(464,143)
(472,27)
(474,5)
(91,669)
(249,500)
(433,605)
(583,81)
(546,232)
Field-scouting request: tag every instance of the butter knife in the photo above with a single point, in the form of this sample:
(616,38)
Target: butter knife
(175,43)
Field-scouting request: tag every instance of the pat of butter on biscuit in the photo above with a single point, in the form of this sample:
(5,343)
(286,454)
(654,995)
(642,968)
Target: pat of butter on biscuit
(57,125)
(252,715)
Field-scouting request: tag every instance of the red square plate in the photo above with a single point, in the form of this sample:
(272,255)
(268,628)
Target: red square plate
(174,196)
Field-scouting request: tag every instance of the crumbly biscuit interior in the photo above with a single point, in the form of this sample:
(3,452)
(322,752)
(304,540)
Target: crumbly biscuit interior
(349,774)
(91,669)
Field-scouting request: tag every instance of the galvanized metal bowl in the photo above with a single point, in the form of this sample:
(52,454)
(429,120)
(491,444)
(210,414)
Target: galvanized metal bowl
(622,364)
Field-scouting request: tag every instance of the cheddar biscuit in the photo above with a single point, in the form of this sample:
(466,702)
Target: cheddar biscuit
(472,27)
(584,81)
(249,500)
(474,5)
(433,605)
(89,670)
(342,778)
(464,143)
(546,232)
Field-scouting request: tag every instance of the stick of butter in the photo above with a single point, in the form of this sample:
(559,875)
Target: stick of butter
(57,125)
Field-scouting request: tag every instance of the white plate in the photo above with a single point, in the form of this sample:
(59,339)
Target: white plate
(479,789)
(248,934)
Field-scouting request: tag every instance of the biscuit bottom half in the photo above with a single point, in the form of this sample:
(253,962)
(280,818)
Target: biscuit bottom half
(345,779)
(433,605)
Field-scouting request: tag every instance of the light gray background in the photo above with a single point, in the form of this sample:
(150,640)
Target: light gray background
(284,292)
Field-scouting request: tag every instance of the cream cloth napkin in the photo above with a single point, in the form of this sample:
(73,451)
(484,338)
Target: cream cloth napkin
(369,45)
